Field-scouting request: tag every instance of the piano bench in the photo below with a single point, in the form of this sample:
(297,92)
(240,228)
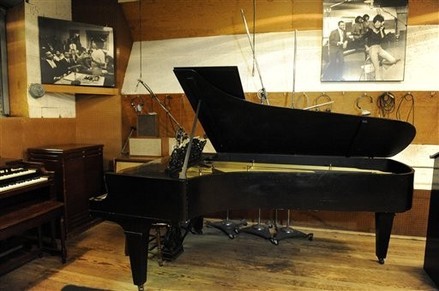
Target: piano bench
(18,221)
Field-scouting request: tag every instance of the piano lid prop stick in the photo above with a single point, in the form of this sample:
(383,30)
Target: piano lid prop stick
(263,92)
(182,174)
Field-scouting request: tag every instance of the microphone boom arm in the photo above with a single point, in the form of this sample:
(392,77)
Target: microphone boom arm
(263,92)
(180,132)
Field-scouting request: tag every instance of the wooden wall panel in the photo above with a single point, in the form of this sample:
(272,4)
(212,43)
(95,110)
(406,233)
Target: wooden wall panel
(423,12)
(16,46)
(425,111)
(168,19)
(11,138)
(17,134)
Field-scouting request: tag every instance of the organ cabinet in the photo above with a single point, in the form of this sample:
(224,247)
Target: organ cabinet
(78,176)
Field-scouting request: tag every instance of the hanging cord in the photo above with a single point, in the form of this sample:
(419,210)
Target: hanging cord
(140,40)
(386,103)
(407,98)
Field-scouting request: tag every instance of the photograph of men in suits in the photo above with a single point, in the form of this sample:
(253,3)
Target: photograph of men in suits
(347,39)
(338,42)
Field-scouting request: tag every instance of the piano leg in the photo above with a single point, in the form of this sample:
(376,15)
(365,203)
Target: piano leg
(383,230)
(137,239)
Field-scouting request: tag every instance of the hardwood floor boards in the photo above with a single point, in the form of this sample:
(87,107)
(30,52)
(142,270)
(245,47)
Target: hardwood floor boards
(333,260)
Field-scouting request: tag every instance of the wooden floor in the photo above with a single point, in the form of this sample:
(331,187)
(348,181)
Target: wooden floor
(331,261)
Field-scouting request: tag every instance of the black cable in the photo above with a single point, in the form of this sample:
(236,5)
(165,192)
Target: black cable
(407,98)
(386,103)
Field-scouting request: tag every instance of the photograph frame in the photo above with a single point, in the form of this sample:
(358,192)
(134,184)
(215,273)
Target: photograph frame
(364,41)
(74,53)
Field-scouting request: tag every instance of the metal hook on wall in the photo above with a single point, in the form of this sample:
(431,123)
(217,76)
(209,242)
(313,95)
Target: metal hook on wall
(327,101)
(363,112)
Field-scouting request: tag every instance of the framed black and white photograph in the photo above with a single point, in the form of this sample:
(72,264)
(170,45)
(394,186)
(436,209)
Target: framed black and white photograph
(364,40)
(73,53)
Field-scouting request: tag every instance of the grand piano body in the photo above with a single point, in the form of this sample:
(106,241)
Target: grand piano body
(267,157)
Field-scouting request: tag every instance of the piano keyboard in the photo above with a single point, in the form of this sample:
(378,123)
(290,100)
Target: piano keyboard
(6,174)
(23,183)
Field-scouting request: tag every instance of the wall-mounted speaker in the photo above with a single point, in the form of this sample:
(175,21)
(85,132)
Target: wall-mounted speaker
(147,125)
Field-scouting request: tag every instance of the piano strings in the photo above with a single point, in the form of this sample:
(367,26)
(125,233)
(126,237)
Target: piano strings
(228,167)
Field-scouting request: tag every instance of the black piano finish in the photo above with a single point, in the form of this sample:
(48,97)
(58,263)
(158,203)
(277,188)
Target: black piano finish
(242,131)
(431,259)
(234,125)
(148,192)
(142,195)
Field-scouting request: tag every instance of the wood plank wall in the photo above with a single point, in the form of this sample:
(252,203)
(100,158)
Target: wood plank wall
(167,19)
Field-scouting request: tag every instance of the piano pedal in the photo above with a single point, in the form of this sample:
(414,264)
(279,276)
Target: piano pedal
(259,230)
(227,226)
(157,238)
(288,232)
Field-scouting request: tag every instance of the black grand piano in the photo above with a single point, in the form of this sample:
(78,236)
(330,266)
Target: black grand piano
(267,157)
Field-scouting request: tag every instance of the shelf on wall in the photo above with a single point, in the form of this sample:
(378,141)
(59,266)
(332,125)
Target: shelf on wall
(80,89)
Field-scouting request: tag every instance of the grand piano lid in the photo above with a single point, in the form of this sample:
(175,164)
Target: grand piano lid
(234,125)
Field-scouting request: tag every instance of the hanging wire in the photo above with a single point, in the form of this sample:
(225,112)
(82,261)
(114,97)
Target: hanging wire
(386,103)
(407,98)
(140,41)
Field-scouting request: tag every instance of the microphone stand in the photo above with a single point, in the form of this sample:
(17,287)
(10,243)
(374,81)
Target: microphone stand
(180,134)
(294,68)
(262,92)
(124,151)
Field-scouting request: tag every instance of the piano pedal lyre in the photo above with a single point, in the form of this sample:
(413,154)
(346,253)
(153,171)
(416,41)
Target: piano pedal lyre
(227,226)
(288,232)
(157,236)
(259,229)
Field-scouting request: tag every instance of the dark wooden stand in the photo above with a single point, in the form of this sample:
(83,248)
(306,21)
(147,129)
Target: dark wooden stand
(79,176)
(431,259)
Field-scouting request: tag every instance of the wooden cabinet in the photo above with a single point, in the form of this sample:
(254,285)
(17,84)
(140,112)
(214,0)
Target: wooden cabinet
(78,176)
(431,259)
